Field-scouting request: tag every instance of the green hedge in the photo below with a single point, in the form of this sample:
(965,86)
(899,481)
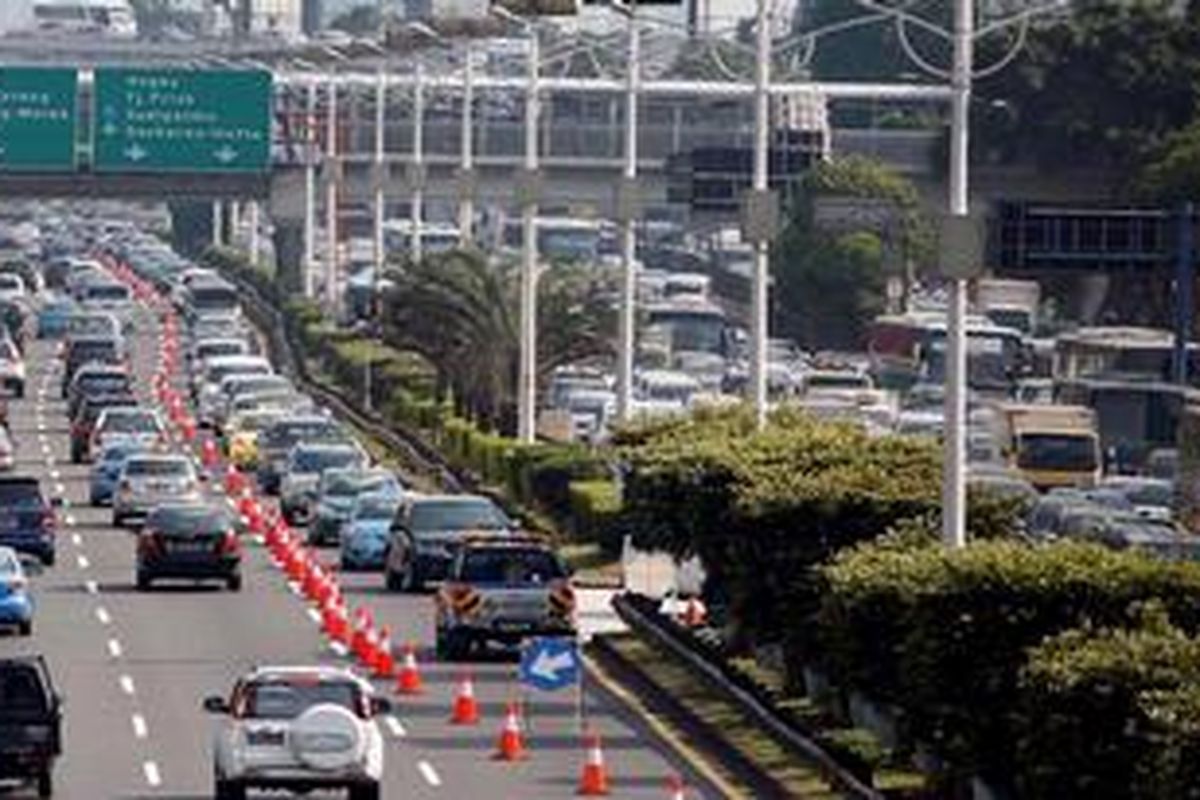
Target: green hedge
(1100,715)
(595,513)
(942,634)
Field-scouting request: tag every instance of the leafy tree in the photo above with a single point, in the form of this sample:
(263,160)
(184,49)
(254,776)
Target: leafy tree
(829,284)
(1100,87)
(361,20)
(460,310)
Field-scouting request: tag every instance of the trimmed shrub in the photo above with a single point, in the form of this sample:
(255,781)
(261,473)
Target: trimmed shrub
(595,513)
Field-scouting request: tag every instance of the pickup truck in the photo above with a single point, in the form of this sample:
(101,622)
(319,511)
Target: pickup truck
(30,722)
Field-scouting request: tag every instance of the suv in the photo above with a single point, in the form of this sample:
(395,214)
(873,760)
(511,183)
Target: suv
(502,591)
(28,522)
(84,422)
(302,476)
(276,442)
(30,722)
(89,349)
(96,379)
(428,531)
(298,729)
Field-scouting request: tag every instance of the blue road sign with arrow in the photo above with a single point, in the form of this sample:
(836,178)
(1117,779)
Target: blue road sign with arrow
(550,663)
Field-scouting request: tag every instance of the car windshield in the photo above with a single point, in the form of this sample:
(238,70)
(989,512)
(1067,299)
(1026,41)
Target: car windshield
(376,508)
(21,691)
(280,700)
(131,422)
(254,422)
(91,324)
(87,351)
(117,455)
(217,349)
(1054,451)
(107,291)
(158,467)
(433,515)
(1160,495)
(321,460)
(20,494)
(288,433)
(348,484)
(511,567)
(190,520)
(104,381)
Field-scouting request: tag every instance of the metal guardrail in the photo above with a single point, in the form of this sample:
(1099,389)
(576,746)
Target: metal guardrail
(671,640)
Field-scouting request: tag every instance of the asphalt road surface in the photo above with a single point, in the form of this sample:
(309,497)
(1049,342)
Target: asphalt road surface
(134,667)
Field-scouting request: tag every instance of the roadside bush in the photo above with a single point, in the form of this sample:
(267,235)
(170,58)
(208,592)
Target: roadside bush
(942,634)
(595,513)
(1098,714)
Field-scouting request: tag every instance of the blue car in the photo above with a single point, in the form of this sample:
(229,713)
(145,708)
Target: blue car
(53,316)
(364,537)
(106,470)
(16,606)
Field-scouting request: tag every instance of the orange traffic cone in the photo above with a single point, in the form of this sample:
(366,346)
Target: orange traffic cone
(385,665)
(677,788)
(693,613)
(208,454)
(593,780)
(409,679)
(511,744)
(466,708)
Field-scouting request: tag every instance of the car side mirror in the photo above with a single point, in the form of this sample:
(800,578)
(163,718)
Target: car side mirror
(56,502)
(202,477)
(380,705)
(216,705)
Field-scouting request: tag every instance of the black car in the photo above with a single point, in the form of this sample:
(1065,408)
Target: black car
(190,541)
(90,349)
(28,521)
(30,722)
(85,420)
(428,531)
(97,379)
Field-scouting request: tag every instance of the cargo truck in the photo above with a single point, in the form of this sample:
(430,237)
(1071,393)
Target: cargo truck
(1051,445)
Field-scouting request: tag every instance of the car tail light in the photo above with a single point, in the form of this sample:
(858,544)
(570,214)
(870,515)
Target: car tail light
(462,599)
(49,521)
(150,542)
(229,544)
(562,598)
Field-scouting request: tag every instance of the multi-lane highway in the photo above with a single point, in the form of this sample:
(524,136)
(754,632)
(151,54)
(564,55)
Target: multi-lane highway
(134,667)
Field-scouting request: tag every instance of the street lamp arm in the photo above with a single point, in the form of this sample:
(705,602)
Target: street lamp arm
(1022,18)
(911,51)
(899,13)
(1007,58)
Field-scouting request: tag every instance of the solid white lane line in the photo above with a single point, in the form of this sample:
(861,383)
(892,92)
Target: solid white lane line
(114,648)
(103,615)
(76,539)
(126,684)
(429,773)
(82,561)
(314,615)
(92,587)
(139,726)
(395,727)
(153,776)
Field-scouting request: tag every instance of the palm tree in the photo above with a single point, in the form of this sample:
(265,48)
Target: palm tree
(459,310)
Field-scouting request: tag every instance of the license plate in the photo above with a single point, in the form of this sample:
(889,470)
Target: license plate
(190,547)
(506,625)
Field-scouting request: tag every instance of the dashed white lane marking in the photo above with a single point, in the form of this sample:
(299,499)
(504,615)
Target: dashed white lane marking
(82,561)
(153,776)
(92,587)
(69,519)
(314,615)
(395,727)
(103,616)
(55,475)
(60,488)
(114,648)
(339,649)
(139,726)
(429,773)
(126,683)
(76,539)
(45,449)
(41,425)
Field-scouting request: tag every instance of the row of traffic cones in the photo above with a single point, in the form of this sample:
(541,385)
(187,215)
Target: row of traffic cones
(369,644)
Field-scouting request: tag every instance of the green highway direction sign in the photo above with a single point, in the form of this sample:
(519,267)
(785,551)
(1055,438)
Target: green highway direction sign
(180,120)
(37,119)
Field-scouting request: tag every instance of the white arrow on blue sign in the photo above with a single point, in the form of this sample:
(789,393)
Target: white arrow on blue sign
(550,663)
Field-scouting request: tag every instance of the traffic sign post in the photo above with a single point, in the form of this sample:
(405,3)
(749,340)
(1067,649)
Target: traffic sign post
(37,119)
(179,120)
(551,664)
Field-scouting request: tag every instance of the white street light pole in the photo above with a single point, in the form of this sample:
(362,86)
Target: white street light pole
(954,516)
(331,200)
(380,172)
(527,388)
(466,200)
(759,309)
(625,350)
(217,223)
(253,222)
(417,212)
(310,192)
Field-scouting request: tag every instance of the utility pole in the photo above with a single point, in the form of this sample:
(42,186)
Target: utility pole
(627,210)
(417,170)
(379,177)
(310,192)
(527,384)
(466,189)
(954,515)
(760,283)
(331,199)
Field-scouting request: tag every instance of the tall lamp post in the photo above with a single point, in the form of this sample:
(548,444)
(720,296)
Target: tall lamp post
(627,211)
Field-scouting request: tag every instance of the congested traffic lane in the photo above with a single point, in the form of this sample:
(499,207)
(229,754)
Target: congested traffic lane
(135,666)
